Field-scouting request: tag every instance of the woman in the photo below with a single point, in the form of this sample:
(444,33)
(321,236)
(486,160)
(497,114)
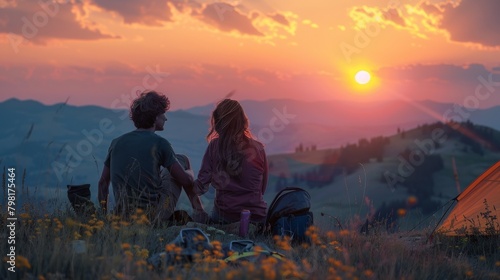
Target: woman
(236,166)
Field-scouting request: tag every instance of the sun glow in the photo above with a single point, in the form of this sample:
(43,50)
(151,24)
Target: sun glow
(362,77)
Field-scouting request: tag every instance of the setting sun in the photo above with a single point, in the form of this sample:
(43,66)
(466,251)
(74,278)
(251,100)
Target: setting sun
(362,77)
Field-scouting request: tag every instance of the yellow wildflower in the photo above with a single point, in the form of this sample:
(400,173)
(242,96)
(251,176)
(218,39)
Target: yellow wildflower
(401,212)
(24,215)
(125,246)
(22,262)
(368,273)
(128,255)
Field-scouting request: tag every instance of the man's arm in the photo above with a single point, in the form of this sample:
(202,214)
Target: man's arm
(202,184)
(103,192)
(185,178)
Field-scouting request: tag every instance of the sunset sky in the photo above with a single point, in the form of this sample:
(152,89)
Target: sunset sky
(103,51)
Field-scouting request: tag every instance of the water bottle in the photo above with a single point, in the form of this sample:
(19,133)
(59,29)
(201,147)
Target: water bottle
(244,222)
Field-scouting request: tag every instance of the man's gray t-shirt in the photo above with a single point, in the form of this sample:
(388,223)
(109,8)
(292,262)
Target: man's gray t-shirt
(134,160)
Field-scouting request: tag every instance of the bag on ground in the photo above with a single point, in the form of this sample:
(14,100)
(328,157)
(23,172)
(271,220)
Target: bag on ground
(289,214)
(79,197)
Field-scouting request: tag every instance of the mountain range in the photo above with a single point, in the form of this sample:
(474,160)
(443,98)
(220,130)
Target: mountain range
(62,144)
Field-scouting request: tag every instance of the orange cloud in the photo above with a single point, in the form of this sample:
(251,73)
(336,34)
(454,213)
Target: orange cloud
(226,17)
(37,21)
(262,27)
(280,18)
(187,85)
(392,14)
(466,22)
(437,72)
(147,12)
(397,17)
(473,22)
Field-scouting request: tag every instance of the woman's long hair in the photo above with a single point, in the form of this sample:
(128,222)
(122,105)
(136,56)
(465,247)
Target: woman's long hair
(230,125)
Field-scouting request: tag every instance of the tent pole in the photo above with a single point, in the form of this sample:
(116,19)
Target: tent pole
(421,222)
(432,232)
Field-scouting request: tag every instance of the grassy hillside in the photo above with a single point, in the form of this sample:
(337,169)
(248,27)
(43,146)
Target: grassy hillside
(355,196)
(62,246)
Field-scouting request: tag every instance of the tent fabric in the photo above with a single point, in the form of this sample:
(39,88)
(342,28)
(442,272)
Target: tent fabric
(468,215)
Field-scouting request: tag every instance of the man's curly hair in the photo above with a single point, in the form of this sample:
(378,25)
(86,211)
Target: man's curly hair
(145,108)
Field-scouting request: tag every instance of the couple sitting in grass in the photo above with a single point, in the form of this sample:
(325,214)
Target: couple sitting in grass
(147,174)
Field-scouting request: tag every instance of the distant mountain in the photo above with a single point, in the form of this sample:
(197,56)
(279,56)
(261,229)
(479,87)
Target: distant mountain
(62,144)
(405,114)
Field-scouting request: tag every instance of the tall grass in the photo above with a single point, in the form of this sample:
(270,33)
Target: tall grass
(62,245)
(47,248)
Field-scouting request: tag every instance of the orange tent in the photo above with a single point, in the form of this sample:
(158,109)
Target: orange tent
(475,208)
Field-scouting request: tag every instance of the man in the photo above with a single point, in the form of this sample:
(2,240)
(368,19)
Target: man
(134,166)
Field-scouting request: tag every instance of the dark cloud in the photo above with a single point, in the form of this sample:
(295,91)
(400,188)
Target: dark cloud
(37,22)
(472,21)
(147,12)
(227,18)
(280,18)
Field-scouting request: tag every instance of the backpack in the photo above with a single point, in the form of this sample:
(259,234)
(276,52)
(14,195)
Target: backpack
(289,214)
(79,197)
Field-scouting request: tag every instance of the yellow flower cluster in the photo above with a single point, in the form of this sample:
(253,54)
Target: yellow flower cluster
(283,243)
(88,229)
(22,262)
(268,267)
(139,217)
(313,233)
(111,247)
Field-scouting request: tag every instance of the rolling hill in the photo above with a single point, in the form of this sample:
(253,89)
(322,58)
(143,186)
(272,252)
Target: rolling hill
(364,192)
(60,144)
